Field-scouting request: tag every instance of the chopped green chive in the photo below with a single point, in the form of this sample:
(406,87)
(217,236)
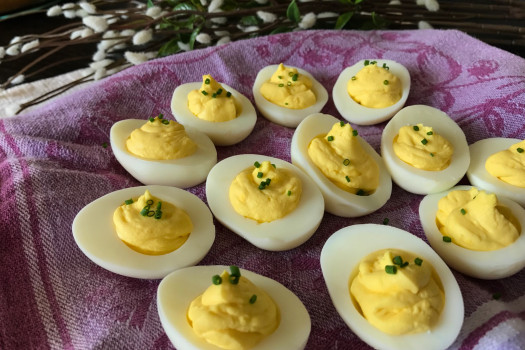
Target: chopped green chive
(354,132)
(289,83)
(207,81)
(397,260)
(149,202)
(496,296)
(161,116)
(281,85)
(432,154)
(463,211)
(228,94)
(416,128)
(385,82)
(354,77)
(386,221)
(290,74)
(151,213)
(234,279)
(373,62)
(165,121)
(347,178)
(367,62)
(268,180)
(519,149)
(390,269)
(274,166)
(430,133)
(289,193)
(259,175)
(105,145)
(280,76)
(385,66)
(219,91)
(128,201)
(295,76)
(418,261)
(346,162)
(152,119)
(204,93)
(405,264)
(447,239)
(330,138)
(424,141)
(144,211)
(253,299)
(262,185)
(286,103)
(342,123)
(214,95)
(158,214)
(216,280)
(257,164)
(234,271)
(360,192)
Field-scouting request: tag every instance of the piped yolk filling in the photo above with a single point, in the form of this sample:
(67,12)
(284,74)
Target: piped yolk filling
(509,165)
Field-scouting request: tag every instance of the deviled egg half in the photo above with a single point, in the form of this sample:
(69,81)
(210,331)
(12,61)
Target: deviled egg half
(158,151)
(215,109)
(131,241)
(371,91)
(391,288)
(348,171)
(424,150)
(475,232)
(180,289)
(478,175)
(285,95)
(267,201)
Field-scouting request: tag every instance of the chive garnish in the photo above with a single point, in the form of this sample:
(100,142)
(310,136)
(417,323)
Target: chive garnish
(268,180)
(295,76)
(430,133)
(354,132)
(286,103)
(289,193)
(149,202)
(424,141)
(161,116)
(216,280)
(151,213)
(347,178)
(519,149)
(207,81)
(256,164)
(152,119)
(447,239)
(165,121)
(204,93)
(144,211)
(330,138)
(385,82)
(281,85)
(158,214)
(373,62)
(280,76)
(234,271)
(463,211)
(367,62)
(234,279)
(354,77)
(289,83)
(432,154)
(262,185)
(219,91)
(253,299)
(360,192)
(260,175)
(104,145)
(390,269)
(214,95)
(416,128)
(290,74)
(228,94)
(128,201)
(342,123)
(274,166)
(418,261)
(397,260)
(346,162)
(386,221)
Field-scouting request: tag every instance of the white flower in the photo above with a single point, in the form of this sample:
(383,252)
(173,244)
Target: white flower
(139,57)
(267,17)
(432,5)
(101,64)
(183,46)
(97,23)
(68,6)
(87,32)
(394,2)
(54,11)
(262,2)
(308,21)
(99,55)
(327,15)
(89,8)
(112,20)
(30,45)
(204,2)
(420,2)
(70,13)
(219,20)
(110,34)
(424,25)
(203,38)
(142,37)
(249,29)
(221,32)
(87,71)
(13,50)
(18,80)
(153,11)
(100,73)
(15,40)
(81,13)
(12,109)
(223,40)
(215,5)
(127,32)
(2,52)
(75,34)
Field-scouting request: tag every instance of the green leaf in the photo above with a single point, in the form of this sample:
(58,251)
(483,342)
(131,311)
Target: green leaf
(343,19)
(193,36)
(249,21)
(292,12)
(357,2)
(169,48)
(184,6)
(281,30)
(150,4)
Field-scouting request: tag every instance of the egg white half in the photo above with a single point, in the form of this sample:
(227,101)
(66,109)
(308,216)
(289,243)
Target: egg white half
(480,177)
(95,234)
(177,291)
(184,172)
(487,265)
(337,201)
(361,115)
(416,180)
(286,233)
(342,253)
(221,133)
(286,116)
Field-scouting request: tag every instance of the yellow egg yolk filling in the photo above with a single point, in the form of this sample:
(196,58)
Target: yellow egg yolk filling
(343,161)
(509,165)
(233,316)
(421,147)
(375,87)
(264,192)
(160,139)
(212,102)
(475,220)
(397,292)
(288,88)
(151,226)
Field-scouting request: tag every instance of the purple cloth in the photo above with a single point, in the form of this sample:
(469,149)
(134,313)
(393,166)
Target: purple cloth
(52,164)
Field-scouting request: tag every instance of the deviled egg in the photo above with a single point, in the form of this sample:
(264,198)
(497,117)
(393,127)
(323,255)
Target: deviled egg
(347,197)
(267,201)
(151,161)
(343,260)
(224,114)
(285,95)
(479,176)
(177,291)
(487,260)
(425,138)
(371,91)
(95,233)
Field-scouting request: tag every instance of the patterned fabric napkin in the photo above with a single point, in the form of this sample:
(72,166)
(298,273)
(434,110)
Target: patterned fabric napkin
(53,163)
